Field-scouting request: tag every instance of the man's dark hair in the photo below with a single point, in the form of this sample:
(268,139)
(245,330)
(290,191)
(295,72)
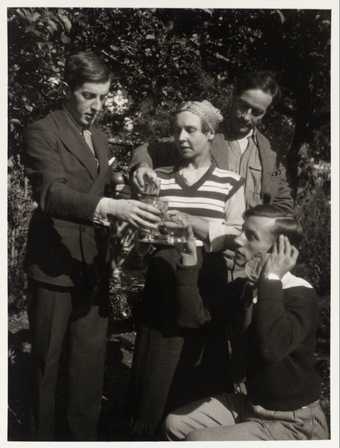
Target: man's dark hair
(264,80)
(285,223)
(85,66)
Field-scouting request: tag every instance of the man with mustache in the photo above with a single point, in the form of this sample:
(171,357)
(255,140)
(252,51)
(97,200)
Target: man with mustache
(66,161)
(278,315)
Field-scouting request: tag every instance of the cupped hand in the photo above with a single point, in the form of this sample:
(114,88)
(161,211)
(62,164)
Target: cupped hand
(282,259)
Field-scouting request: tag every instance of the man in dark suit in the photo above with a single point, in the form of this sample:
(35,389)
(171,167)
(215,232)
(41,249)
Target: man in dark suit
(241,147)
(67,162)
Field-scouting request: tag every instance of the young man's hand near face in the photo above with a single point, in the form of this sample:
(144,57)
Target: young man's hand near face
(282,259)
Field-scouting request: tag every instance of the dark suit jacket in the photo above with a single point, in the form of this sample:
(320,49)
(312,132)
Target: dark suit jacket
(275,189)
(64,247)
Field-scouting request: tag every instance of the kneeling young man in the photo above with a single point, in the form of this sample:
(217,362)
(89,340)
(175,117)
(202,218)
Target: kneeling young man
(280,322)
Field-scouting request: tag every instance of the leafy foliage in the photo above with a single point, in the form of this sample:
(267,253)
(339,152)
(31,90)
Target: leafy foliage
(315,214)
(163,56)
(19,212)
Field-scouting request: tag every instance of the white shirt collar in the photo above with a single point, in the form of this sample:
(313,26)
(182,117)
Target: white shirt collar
(290,281)
(250,133)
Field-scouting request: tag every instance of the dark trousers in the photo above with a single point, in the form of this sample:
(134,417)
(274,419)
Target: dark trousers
(170,371)
(58,318)
(174,365)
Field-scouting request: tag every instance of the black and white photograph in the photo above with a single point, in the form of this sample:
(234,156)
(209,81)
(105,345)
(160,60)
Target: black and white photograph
(172,222)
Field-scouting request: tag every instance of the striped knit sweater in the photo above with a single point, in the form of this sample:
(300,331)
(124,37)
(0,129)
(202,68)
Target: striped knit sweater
(206,198)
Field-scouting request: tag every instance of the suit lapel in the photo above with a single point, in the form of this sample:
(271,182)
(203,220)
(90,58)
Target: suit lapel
(74,142)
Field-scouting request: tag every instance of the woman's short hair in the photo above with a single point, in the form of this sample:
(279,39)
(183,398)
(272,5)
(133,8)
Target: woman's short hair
(285,223)
(210,116)
(263,80)
(85,66)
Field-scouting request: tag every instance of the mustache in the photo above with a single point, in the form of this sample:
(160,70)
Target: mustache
(246,122)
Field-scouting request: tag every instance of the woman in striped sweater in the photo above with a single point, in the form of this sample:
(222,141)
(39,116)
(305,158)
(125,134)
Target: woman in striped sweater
(168,355)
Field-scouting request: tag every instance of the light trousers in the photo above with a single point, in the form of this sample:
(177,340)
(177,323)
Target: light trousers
(231,417)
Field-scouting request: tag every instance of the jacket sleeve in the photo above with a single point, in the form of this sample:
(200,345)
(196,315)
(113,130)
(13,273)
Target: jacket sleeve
(283,318)
(48,178)
(191,310)
(283,199)
(155,155)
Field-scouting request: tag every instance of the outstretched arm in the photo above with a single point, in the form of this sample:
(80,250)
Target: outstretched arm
(56,197)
